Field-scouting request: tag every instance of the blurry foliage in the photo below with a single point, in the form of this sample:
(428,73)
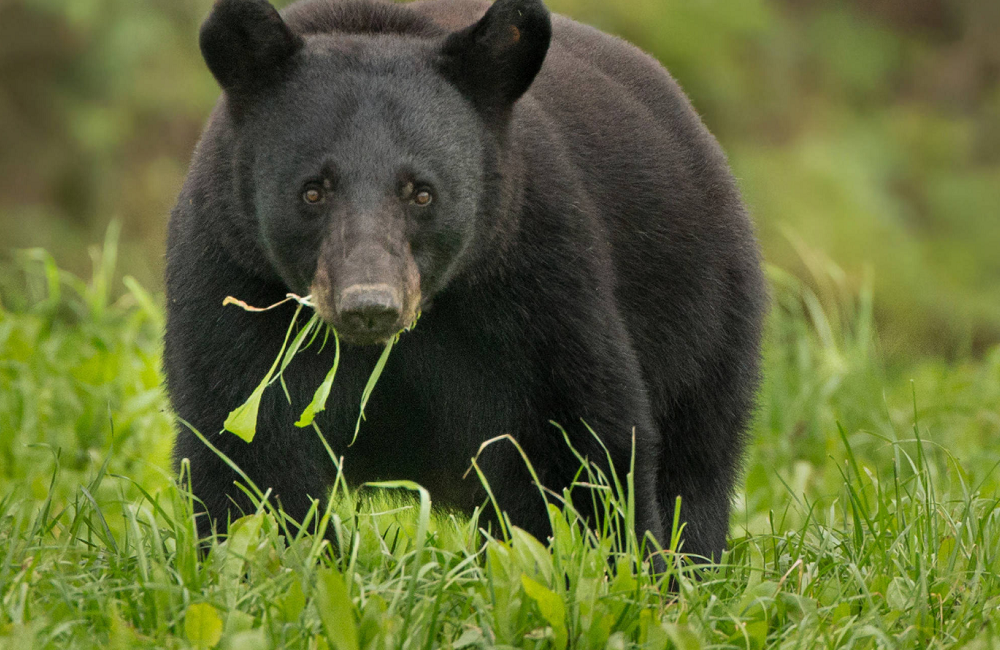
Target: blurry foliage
(79,373)
(101,102)
(868,129)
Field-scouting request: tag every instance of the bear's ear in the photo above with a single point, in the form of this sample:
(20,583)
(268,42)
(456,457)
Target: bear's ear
(246,44)
(494,61)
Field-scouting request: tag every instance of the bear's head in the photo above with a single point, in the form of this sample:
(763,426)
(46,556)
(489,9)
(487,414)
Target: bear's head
(369,163)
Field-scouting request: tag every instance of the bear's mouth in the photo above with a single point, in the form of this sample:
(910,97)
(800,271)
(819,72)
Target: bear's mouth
(367,312)
(372,314)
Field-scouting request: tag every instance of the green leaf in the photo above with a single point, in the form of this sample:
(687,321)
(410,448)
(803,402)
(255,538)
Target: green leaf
(840,612)
(336,610)
(551,606)
(945,550)
(501,587)
(202,625)
(237,622)
(312,325)
(533,557)
(899,594)
(797,607)
(683,638)
(756,599)
(243,533)
(599,635)
(757,564)
(293,603)
(370,386)
(322,393)
(472,636)
(243,420)
(247,640)
(293,349)
(651,633)
(757,632)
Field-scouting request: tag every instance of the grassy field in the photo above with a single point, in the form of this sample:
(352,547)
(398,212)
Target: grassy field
(870,516)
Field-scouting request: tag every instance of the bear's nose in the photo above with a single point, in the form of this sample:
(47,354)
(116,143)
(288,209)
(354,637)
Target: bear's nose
(370,310)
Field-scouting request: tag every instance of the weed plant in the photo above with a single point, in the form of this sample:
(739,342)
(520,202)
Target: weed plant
(870,516)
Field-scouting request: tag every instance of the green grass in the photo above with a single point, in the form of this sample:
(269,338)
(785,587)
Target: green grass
(870,516)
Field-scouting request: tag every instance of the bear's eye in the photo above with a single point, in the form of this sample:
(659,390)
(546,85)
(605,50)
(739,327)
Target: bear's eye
(313,195)
(423,198)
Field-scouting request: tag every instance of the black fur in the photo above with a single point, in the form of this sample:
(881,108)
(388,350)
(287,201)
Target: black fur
(587,257)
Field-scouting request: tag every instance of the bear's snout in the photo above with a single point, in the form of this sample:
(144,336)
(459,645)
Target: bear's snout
(369,294)
(372,311)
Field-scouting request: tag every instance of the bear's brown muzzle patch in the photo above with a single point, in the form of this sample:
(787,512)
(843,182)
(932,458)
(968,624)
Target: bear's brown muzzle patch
(368,295)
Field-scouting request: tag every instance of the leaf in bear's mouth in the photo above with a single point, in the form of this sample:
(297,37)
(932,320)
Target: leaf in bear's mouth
(372,380)
(242,421)
(318,402)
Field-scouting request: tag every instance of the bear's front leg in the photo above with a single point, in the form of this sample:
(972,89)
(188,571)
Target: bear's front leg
(518,495)
(593,391)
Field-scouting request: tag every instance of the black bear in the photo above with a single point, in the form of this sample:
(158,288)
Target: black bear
(541,193)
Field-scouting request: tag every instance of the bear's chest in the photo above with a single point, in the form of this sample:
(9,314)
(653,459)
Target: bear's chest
(440,395)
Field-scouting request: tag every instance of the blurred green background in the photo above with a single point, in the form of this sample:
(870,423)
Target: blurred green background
(863,132)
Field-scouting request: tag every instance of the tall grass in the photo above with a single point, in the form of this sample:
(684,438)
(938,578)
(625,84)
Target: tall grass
(870,517)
